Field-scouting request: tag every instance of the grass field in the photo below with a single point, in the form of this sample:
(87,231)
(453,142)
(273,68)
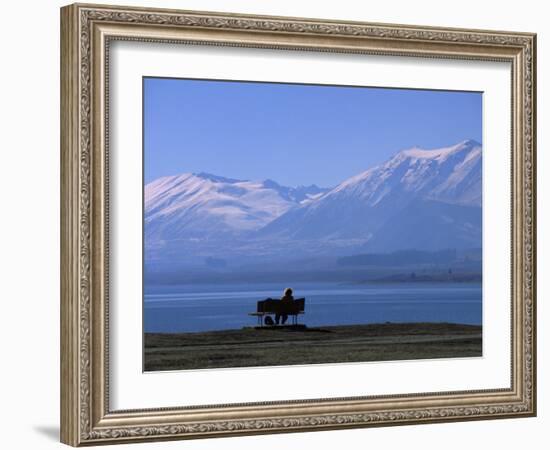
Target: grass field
(275,346)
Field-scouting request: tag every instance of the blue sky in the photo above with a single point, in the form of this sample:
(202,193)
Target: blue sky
(292,133)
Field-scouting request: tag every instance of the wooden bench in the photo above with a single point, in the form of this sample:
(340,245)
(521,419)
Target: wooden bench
(271,306)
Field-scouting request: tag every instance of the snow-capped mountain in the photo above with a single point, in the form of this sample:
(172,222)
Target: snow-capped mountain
(422,199)
(451,174)
(203,205)
(362,205)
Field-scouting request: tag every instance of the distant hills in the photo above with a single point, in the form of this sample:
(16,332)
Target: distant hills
(399,258)
(427,200)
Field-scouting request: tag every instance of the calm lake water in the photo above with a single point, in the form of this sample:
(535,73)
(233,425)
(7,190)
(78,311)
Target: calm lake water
(184,308)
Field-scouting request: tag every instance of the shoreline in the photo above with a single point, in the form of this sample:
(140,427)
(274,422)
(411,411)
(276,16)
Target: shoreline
(288,345)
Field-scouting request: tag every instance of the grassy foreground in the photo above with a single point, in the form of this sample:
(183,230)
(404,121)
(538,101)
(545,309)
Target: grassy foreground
(274,346)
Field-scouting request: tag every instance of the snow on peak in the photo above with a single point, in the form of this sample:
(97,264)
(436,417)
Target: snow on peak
(415,170)
(439,154)
(442,180)
(200,205)
(217,178)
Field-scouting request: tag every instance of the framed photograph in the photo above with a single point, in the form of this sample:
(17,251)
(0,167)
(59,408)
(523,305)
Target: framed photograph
(275,224)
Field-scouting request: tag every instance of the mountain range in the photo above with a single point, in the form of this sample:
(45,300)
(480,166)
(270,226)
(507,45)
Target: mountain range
(206,206)
(421,199)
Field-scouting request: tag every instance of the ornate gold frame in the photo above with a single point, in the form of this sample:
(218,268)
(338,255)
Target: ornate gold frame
(86,31)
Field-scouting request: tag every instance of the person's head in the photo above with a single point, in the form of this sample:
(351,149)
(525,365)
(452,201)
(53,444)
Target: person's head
(288,292)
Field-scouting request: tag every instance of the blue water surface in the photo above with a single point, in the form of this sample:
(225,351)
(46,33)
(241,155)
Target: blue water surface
(191,308)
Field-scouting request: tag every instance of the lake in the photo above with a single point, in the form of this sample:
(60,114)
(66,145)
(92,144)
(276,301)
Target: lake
(192,308)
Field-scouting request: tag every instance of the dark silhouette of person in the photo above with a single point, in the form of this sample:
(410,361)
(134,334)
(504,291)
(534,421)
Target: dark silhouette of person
(286,300)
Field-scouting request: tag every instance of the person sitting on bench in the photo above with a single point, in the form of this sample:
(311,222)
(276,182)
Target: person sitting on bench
(286,299)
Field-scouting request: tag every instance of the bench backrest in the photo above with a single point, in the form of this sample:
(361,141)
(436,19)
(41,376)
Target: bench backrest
(277,307)
(298,305)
